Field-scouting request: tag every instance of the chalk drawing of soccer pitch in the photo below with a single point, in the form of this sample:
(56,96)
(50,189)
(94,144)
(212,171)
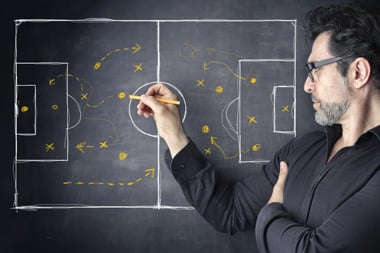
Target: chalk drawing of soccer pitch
(78,140)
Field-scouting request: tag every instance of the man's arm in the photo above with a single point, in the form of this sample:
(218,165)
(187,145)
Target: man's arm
(227,207)
(353,227)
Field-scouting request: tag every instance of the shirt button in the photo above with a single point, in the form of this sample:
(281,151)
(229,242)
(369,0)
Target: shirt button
(182,166)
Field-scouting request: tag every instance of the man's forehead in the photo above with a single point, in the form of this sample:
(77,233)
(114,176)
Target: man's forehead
(320,48)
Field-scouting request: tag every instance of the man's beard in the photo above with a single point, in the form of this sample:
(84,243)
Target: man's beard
(330,113)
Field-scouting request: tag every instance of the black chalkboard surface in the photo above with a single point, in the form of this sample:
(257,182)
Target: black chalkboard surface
(82,136)
(90,169)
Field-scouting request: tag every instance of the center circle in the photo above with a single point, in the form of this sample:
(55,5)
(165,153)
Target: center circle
(140,123)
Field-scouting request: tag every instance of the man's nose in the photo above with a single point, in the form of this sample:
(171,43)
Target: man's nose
(309,85)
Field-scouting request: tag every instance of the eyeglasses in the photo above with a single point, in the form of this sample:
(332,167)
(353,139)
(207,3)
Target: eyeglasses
(311,66)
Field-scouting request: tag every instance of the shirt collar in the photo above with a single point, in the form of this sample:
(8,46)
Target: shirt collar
(334,132)
(376,132)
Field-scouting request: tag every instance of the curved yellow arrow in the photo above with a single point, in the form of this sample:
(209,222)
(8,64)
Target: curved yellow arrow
(213,142)
(206,64)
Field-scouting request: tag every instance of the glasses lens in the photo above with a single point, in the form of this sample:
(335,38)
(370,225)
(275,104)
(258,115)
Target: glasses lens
(309,69)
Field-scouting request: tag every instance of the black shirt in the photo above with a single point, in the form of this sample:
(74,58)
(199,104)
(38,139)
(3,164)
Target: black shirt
(329,206)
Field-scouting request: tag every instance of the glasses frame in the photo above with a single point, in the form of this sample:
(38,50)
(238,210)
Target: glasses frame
(311,66)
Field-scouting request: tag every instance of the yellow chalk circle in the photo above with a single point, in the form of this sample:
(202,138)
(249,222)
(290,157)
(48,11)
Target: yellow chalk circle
(123,156)
(219,89)
(54,107)
(256,147)
(253,80)
(24,108)
(205,129)
(122,95)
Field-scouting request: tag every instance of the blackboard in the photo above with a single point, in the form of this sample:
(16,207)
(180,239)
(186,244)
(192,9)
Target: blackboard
(82,136)
(90,169)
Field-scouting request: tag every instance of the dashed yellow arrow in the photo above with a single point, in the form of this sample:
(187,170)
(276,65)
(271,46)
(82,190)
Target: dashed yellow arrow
(149,173)
(136,48)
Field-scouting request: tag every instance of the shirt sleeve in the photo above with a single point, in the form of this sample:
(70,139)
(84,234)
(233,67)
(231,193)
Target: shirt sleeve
(228,207)
(353,227)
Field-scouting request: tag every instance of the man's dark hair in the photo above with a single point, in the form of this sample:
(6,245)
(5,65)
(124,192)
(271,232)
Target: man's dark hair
(354,30)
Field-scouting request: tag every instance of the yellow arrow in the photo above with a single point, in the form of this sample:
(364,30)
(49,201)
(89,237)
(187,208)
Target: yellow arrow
(98,64)
(205,68)
(213,142)
(148,173)
(136,48)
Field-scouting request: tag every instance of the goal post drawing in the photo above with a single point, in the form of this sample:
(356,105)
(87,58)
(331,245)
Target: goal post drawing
(26,102)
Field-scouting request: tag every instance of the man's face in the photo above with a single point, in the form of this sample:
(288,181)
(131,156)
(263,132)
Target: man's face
(330,90)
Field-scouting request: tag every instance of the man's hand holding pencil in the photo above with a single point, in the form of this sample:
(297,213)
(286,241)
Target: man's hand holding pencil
(160,103)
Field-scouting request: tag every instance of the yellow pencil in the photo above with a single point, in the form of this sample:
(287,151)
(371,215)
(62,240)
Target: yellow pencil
(166,101)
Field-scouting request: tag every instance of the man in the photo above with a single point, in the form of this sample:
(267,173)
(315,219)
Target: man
(321,191)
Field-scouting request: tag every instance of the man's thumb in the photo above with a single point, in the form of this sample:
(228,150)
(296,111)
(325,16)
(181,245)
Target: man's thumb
(283,173)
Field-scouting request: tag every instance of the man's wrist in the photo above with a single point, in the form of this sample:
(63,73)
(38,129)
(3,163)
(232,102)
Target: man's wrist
(176,143)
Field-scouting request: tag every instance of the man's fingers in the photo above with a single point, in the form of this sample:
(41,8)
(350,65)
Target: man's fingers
(150,102)
(283,173)
(154,90)
(162,91)
(278,188)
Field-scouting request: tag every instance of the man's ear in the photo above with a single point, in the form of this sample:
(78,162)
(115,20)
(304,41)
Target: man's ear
(360,70)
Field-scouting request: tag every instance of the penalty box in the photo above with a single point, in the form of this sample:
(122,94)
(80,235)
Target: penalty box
(267,107)
(41,111)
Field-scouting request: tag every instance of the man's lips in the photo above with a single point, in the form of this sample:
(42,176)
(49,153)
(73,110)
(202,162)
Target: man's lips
(316,102)
(314,99)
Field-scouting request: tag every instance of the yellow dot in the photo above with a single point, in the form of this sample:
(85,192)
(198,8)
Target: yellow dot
(97,65)
(256,147)
(219,89)
(253,80)
(205,129)
(24,108)
(54,107)
(123,156)
(122,95)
